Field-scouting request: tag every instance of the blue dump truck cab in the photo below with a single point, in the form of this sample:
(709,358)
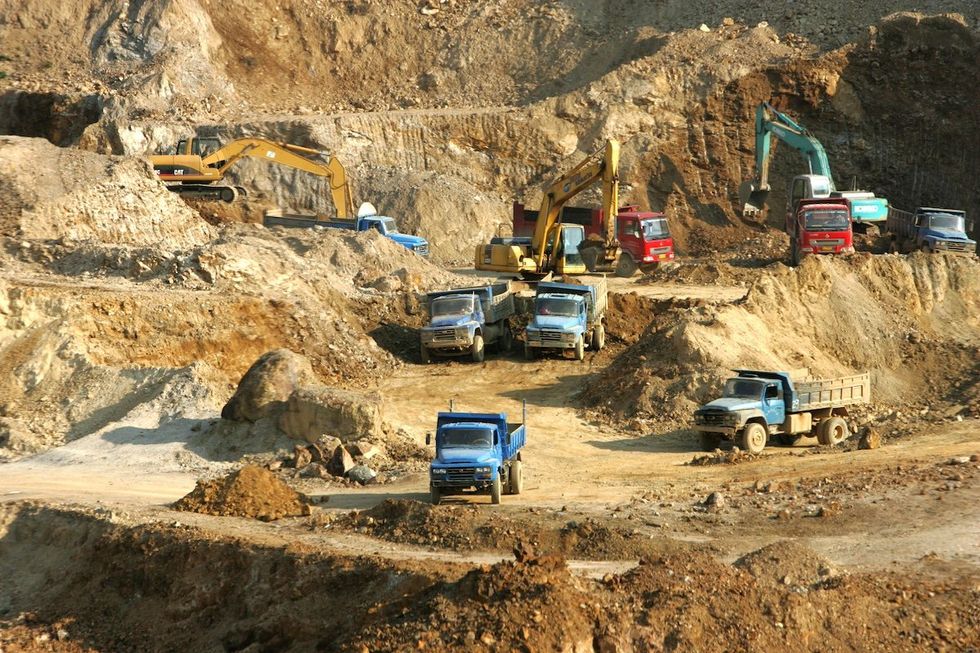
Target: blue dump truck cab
(466,321)
(567,317)
(384,225)
(759,404)
(939,231)
(476,453)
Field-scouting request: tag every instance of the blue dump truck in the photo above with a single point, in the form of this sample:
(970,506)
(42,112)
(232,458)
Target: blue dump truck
(940,231)
(384,225)
(466,321)
(758,405)
(567,317)
(477,453)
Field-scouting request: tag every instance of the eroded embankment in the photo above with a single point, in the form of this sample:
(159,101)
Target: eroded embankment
(911,321)
(156,587)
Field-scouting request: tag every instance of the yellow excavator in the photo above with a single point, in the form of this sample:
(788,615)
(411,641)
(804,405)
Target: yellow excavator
(555,247)
(200,162)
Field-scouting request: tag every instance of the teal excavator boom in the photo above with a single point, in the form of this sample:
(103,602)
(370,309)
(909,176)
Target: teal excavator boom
(865,209)
(768,122)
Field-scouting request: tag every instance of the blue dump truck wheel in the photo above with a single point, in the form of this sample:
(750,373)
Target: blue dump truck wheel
(477,350)
(516,477)
(424,354)
(435,495)
(753,437)
(580,348)
(495,490)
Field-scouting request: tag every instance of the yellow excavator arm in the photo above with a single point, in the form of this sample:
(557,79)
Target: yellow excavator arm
(193,169)
(546,252)
(602,164)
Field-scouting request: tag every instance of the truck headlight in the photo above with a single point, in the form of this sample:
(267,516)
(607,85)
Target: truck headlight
(483,470)
(568,337)
(438,470)
(462,332)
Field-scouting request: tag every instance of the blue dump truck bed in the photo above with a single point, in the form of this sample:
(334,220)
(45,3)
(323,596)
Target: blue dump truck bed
(476,453)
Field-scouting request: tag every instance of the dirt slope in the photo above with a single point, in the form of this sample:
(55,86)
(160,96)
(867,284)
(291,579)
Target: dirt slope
(910,321)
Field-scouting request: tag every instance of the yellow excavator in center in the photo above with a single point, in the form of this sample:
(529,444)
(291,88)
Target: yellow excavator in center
(555,247)
(200,162)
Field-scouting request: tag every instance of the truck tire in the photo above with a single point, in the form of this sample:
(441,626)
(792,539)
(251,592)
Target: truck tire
(580,348)
(626,266)
(529,352)
(753,438)
(495,490)
(506,339)
(477,350)
(710,441)
(435,495)
(425,355)
(598,337)
(516,477)
(833,431)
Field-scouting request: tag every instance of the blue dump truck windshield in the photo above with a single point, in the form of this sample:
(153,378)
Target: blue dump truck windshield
(743,388)
(655,229)
(946,221)
(826,220)
(555,306)
(390,225)
(481,438)
(449,306)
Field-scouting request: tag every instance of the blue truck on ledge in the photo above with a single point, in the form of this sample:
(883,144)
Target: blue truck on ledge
(934,231)
(382,224)
(568,317)
(757,405)
(466,321)
(477,453)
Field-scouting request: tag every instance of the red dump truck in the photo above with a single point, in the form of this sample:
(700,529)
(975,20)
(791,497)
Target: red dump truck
(644,236)
(819,226)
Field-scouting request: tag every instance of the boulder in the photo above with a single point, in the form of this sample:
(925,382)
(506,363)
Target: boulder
(362,474)
(301,457)
(313,412)
(341,462)
(870,440)
(267,385)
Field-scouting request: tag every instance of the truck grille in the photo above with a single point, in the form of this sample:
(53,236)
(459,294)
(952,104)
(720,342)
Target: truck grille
(549,335)
(461,474)
(422,250)
(444,335)
(827,242)
(660,250)
(951,246)
(716,419)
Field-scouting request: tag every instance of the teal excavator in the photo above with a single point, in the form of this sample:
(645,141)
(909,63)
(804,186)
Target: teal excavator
(865,208)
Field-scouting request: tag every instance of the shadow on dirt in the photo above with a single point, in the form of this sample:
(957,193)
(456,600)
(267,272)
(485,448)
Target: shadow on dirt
(676,441)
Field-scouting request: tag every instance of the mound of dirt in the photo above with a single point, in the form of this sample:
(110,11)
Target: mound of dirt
(52,193)
(731,457)
(464,528)
(532,604)
(787,563)
(831,316)
(251,491)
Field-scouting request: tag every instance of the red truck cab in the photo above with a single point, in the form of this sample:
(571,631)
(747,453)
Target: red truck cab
(819,226)
(644,236)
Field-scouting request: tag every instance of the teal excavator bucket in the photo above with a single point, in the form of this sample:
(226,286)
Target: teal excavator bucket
(752,197)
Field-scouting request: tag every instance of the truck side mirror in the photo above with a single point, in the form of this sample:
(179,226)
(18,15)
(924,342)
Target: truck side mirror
(428,439)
